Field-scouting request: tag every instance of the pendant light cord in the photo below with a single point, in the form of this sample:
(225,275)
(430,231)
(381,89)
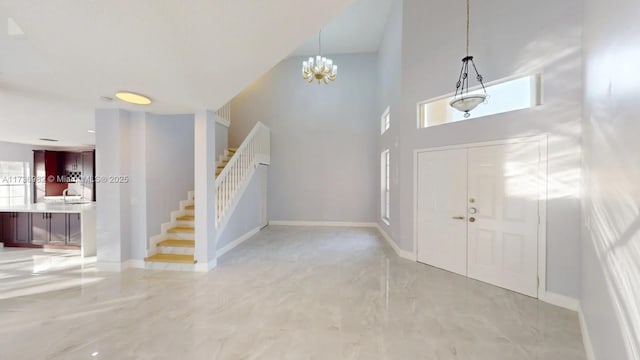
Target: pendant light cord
(320,42)
(467,27)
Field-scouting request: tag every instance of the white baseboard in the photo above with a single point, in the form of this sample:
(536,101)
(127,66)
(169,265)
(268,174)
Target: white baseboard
(134,264)
(119,267)
(402,253)
(225,249)
(560,300)
(110,266)
(201,267)
(322,223)
(586,339)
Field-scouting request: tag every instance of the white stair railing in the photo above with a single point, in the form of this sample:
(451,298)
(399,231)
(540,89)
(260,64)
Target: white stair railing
(224,113)
(255,149)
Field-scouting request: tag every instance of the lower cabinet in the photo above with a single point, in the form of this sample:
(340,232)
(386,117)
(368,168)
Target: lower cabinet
(58,229)
(73,229)
(38,229)
(6,227)
(15,228)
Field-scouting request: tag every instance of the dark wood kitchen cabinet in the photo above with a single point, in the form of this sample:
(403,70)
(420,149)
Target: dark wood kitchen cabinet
(39,171)
(16,228)
(72,161)
(23,229)
(88,173)
(6,227)
(58,229)
(47,170)
(50,228)
(39,228)
(74,236)
(55,169)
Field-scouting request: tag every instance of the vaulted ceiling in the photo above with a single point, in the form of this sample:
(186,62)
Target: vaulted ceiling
(184,54)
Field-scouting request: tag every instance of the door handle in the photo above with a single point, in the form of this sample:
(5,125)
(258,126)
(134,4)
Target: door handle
(458,217)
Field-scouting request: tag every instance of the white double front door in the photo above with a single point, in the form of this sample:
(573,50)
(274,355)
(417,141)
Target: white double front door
(477,213)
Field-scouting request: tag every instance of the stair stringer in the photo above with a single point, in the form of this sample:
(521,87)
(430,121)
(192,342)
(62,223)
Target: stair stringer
(153,247)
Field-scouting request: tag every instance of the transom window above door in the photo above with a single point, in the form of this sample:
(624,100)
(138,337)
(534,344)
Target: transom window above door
(503,96)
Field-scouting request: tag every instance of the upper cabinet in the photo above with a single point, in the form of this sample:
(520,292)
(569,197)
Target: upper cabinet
(72,161)
(88,169)
(58,168)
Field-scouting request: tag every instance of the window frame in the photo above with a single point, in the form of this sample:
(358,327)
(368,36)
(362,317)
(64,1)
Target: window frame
(13,181)
(385,120)
(385,186)
(536,97)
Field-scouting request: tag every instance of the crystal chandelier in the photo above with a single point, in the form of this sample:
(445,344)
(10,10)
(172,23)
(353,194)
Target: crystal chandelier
(462,100)
(322,70)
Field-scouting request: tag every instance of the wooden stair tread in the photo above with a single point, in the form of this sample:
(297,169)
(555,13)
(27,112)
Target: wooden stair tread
(186,218)
(171,258)
(177,243)
(179,229)
(189,207)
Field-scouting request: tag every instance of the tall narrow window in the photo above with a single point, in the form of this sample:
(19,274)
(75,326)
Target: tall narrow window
(385,166)
(14,187)
(385,121)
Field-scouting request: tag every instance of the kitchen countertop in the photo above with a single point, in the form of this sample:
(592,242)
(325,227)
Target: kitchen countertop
(50,208)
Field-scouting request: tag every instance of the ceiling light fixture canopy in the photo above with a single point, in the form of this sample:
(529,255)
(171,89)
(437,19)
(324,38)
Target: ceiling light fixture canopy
(133,98)
(323,70)
(462,100)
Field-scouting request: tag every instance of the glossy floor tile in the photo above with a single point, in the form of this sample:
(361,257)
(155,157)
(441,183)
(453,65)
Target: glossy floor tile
(287,293)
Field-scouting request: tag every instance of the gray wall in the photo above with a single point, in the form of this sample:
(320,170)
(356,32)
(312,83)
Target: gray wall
(222,139)
(156,153)
(246,216)
(169,166)
(138,183)
(322,140)
(542,37)
(16,152)
(389,95)
(611,219)
(113,236)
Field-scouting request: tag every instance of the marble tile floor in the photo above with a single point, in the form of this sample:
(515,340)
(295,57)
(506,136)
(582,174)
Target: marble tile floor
(288,293)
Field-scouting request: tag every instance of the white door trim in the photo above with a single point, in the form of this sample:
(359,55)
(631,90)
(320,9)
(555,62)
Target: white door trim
(542,204)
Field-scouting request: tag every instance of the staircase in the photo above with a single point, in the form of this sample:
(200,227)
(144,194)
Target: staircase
(176,243)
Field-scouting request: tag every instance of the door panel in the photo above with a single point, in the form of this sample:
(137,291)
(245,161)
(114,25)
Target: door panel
(23,230)
(8,227)
(39,228)
(75,237)
(442,192)
(58,226)
(503,182)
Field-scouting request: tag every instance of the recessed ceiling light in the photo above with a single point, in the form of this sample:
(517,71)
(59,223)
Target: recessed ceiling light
(91,131)
(50,140)
(133,98)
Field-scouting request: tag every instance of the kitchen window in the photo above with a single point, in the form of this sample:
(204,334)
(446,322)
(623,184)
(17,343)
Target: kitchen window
(14,183)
